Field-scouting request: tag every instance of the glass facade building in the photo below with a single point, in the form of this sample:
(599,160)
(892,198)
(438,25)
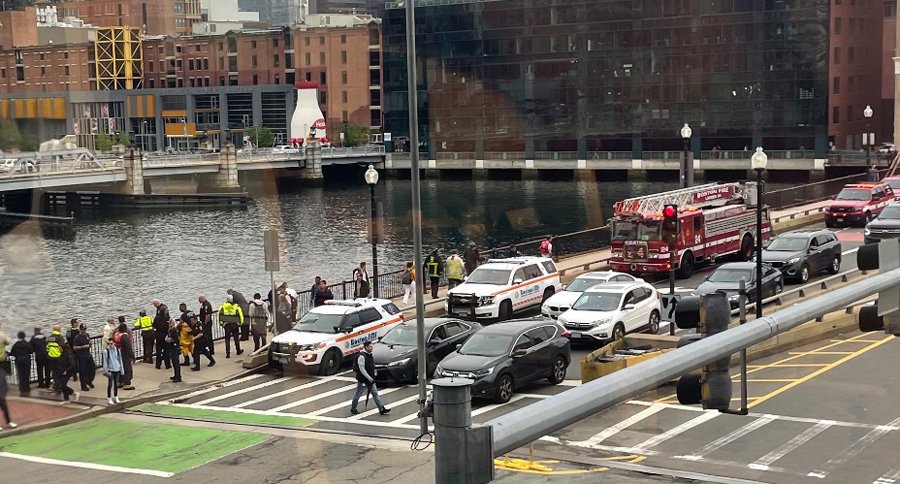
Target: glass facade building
(612,75)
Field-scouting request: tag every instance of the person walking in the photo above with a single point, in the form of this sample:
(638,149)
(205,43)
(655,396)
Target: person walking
(61,360)
(22,351)
(434,267)
(160,329)
(171,341)
(41,362)
(408,279)
(144,325)
(259,321)
(185,339)
(84,361)
(71,333)
(364,369)
(455,269)
(200,344)
(241,301)
(546,248)
(323,293)
(230,317)
(313,291)
(4,407)
(872,173)
(124,340)
(206,317)
(513,252)
(360,286)
(113,368)
(472,257)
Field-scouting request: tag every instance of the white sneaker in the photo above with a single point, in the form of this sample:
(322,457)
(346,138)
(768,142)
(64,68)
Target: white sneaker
(117,400)
(110,401)
(13,425)
(76,396)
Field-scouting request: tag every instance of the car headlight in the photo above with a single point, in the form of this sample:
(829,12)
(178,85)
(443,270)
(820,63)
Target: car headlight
(483,372)
(793,260)
(601,322)
(734,297)
(307,347)
(485,300)
(866,231)
(399,362)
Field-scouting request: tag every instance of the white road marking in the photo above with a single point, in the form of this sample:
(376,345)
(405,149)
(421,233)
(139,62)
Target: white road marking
(726,439)
(346,404)
(288,391)
(570,383)
(494,406)
(764,462)
(624,424)
(889,477)
(219,387)
(854,449)
(86,465)
(658,439)
(243,391)
(369,413)
(314,398)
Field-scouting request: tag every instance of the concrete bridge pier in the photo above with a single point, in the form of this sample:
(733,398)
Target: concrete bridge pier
(227,179)
(311,174)
(134,170)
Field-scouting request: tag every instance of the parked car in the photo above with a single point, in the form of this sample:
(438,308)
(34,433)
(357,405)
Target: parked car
(503,357)
(562,301)
(396,359)
(285,149)
(610,311)
(801,253)
(14,165)
(727,277)
(887,149)
(858,203)
(885,226)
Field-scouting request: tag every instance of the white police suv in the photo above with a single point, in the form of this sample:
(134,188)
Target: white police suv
(501,287)
(327,334)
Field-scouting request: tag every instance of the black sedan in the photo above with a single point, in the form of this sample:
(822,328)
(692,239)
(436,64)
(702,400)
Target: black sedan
(395,353)
(510,355)
(727,277)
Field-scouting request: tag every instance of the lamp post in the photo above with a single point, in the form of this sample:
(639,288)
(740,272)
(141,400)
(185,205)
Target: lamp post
(868,137)
(758,162)
(143,135)
(371,177)
(685,164)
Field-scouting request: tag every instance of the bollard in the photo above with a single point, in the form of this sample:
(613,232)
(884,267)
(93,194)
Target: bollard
(462,454)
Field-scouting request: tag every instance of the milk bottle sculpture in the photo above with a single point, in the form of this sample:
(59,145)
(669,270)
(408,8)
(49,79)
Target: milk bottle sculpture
(308,118)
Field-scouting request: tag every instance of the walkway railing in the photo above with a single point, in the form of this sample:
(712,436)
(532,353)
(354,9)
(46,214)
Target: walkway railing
(813,192)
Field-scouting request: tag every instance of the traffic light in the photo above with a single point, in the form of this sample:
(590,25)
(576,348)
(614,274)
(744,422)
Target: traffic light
(884,315)
(670,225)
(710,314)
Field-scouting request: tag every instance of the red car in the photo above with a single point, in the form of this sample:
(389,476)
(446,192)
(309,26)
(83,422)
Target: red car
(858,204)
(894,183)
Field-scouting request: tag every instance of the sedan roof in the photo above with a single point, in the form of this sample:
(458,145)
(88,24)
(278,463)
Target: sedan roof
(516,326)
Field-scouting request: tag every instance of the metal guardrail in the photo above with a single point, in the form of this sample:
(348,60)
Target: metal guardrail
(25,168)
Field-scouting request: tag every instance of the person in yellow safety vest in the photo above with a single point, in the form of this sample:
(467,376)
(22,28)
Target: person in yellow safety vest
(456,269)
(231,317)
(144,324)
(61,360)
(434,267)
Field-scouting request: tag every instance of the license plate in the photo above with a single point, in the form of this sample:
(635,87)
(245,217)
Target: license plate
(282,359)
(462,312)
(575,334)
(840,220)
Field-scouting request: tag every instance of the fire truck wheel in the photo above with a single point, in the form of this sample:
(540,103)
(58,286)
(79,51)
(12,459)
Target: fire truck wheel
(687,266)
(747,248)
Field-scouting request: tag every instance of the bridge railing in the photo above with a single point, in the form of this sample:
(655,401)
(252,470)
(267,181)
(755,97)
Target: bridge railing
(27,168)
(812,192)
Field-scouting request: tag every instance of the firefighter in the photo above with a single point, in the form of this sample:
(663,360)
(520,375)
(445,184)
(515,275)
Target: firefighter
(434,267)
(231,317)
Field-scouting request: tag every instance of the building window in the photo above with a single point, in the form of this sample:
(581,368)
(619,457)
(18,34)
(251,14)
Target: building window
(66,69)
(343,96)
(836,58)
(306,41)
(890,8)
(322,80)
(322,97)
(344,116)
(308,76)
(851,55)
(221,63)
(308,59)
(274,42)
(191,64)
(276,60)
(253,61)
(206,63)
(343,77)
(252,44)
(321,40)
(343,39)
(255,79)
(152,83)
(197,48)
(343,57)
(150,66)
(837,26)
(192,82)
(836,88)
(322,58)
(277,78)
(221,80)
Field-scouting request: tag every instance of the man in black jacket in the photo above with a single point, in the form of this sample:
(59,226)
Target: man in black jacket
(39,348)
(364,368)
(206,314)
(161,328)
(21,351)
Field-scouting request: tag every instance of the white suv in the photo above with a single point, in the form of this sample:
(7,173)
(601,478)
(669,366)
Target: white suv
(610,311)
(500,287)
(562,301)
(327,334)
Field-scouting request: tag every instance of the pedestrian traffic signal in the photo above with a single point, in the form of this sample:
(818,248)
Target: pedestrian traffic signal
(670,225)
(710,314)
(884,314)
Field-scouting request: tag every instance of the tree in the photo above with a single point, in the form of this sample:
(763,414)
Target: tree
(261,136)
(124,139)
(104,142)
(356,135)
(10,137)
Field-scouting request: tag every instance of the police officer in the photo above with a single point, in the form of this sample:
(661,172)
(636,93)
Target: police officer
(206,312)
(364,368)
(144,324)
(434,267)
(231,317)
(200,344)
(61,360)
(39,346)
(160,329)
(241,301)
(456,270)
(172,350)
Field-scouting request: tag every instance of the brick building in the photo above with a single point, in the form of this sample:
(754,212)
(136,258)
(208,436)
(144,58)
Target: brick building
(157,17)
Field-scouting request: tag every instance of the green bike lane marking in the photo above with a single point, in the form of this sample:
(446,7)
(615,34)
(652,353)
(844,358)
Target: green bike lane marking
(222,416)
(115,445)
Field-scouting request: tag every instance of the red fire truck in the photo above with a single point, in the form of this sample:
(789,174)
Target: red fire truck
(714,220)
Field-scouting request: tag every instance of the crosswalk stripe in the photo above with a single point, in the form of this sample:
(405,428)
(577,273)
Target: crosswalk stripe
(658,439)
(282,393)
(726,439)
(369,413)
(889,477)
(853,450)
(243,390)
(765,461)
(494,406)
(624,424)
(347,403)
(220,386)
(314,398)
(408,418)
(321,418)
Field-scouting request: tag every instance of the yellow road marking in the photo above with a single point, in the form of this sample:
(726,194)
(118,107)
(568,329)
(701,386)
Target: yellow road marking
(796,365)
(814,352)
(765,380)
(820,371)
(854,340)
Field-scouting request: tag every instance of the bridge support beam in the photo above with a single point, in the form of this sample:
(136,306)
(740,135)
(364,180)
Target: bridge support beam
(134,170)
(227,179)
(312,173)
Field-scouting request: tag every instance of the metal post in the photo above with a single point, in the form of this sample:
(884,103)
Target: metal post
(685,164)
(273,303)
(374,242)
(759,242)
(742,311)
(461,454)
(671,285)
(412,85)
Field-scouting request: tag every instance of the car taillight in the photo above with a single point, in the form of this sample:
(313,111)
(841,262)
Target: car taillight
(565,334)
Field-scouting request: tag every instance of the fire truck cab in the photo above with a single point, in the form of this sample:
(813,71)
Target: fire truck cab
(714,220)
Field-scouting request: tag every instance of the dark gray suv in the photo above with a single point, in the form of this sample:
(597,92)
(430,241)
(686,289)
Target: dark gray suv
(802,253)
(885,226)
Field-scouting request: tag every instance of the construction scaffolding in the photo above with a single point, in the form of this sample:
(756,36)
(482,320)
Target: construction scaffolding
(118,59)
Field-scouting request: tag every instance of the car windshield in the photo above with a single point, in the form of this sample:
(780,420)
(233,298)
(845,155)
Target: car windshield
(598,301)
(499,277)
(894,184)
(857,194)
(319,323)
(401,335)
(731,275)
(581,285)
(487,344)
(788,243)
(631,230)
(890,212)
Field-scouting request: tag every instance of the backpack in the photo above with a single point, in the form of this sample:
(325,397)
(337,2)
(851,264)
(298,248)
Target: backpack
(545,247)
(407,278)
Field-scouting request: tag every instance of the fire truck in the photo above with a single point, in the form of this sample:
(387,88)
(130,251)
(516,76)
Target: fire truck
(714,220)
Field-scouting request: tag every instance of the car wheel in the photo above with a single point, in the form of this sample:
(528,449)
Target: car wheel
(829,223)
(504,389)
(654,322)
(331,362)
(779,287)
(618,332)
(687,266)
(559,371)
(835,266)
(505,310)
(274,364)
(747,248)
(868,218)
(803,277)
(548,293)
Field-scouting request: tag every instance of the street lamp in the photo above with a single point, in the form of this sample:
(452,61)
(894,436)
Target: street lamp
(868,137)
(371,177)
(758,162)
(685,165)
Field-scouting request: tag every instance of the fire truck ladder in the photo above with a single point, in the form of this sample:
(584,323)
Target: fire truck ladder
(682,198)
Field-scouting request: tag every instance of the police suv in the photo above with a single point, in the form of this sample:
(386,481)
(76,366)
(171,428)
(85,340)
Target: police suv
(327,334)
(500,287)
